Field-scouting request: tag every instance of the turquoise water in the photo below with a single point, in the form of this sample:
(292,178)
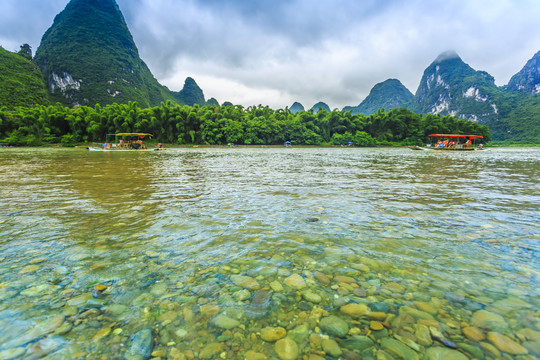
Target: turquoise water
(211,249)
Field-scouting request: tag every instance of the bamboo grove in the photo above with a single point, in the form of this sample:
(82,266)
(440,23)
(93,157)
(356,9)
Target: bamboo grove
(218,125)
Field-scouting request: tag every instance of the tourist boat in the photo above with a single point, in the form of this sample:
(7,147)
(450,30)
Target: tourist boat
(126,142)
(453,142)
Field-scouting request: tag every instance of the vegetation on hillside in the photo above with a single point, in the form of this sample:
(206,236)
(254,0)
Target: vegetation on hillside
(215,125)
(91,42)
(21,82)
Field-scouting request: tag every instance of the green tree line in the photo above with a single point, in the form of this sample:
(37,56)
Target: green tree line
(218,125)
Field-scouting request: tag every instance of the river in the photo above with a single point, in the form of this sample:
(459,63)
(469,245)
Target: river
(270,253)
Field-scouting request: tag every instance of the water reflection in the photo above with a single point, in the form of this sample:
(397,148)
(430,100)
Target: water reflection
(209,247)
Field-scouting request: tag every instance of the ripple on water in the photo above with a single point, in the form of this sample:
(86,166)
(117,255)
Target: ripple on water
(213,249)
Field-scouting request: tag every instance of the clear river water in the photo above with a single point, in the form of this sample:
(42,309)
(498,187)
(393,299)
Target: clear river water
(270,253)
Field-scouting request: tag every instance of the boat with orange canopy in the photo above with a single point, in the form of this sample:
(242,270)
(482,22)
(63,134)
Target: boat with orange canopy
(453,142)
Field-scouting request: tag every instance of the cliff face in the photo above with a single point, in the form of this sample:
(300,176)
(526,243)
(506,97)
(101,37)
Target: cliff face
(451,87)
(527,81)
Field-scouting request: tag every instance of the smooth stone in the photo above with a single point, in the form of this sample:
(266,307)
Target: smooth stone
(354,310)
(528,334)
(335,326)
(286,349)
(211,351)
(276,286)
(533,347)
(209,309)
(361,267)
(423,335)
(486,319)
(379,307)
(180,333)
(38,331)
(491,349)
(311,297)
(224,322)
(39,290)
(242,295)
(473,333)
(331,347)
(29,269)
(143,299)
(323,279)
(246,282)
(506,344)
(510,305)
(299,334)
(344,279)
(475,352)
(159,289)
(417,314)
(377,316)
(272,334)
(376,325)
(441,353)
(80,300)
(395,287)
(12,353)
(357,342)
(295,281)
(398,349)
(140,346)
(426,307)
(260,305)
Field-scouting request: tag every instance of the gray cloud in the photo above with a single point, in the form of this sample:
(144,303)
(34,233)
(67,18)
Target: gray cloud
(279,51)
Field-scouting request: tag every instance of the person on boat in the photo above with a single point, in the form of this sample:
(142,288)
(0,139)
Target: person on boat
(452,144)
(159,146)
(468,142)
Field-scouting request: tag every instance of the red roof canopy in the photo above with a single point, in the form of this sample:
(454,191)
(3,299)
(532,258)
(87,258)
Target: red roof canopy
(457,136)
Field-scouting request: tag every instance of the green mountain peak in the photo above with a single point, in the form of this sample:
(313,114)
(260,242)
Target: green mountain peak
(88,56)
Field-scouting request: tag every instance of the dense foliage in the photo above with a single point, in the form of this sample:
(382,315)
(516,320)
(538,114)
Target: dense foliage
(91,42)
(214,125)
(21,82)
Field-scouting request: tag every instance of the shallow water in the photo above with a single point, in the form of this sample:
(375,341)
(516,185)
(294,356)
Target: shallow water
(450,235)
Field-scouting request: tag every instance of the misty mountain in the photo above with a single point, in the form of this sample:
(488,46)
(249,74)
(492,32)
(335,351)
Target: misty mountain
(296,107)
(320,105)
(387,95)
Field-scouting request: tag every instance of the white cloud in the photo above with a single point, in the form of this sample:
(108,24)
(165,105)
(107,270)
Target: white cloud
(279,51)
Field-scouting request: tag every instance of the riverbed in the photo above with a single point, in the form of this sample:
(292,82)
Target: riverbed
(270,253)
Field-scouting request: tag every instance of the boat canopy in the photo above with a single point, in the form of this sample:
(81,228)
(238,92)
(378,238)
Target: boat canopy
(134,134)
(458,136)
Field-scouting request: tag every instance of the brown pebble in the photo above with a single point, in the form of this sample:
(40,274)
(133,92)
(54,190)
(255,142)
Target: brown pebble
(376,325)
(100,287)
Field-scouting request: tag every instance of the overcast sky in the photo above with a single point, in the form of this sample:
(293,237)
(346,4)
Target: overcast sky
(275,52)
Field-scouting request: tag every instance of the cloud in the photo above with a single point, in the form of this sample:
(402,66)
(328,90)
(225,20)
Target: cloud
(276,52)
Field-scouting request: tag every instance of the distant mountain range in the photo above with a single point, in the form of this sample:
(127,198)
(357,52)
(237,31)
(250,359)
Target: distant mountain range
(451,87)
(88,56)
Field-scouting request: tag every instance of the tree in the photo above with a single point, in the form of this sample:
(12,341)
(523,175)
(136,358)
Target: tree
(26,51)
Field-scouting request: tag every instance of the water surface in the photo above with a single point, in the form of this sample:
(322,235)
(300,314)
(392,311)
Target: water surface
(212,248)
